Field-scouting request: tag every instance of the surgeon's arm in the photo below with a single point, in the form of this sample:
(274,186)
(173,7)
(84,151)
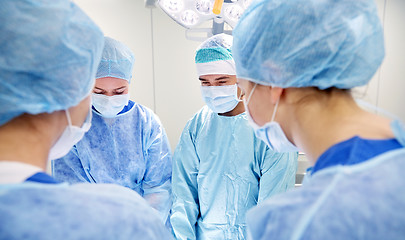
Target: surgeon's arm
(156,183)
(278,173)
(185,208)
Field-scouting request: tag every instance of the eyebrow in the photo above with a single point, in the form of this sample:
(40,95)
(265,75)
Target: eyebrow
(222,78)
(216,79)
(120,88)
(114,89)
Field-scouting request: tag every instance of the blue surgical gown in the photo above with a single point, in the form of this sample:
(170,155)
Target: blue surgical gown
(42,210)
(131,150)
(350,195)
(220,170)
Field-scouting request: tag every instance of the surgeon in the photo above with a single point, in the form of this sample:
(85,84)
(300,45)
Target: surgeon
(126,144)
(297,62)
(220,168)
(49,53)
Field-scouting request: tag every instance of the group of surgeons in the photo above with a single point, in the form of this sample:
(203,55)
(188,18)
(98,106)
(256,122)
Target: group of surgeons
(281,84)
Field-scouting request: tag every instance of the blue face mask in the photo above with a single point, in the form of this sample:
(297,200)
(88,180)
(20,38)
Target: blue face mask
(271,132)
(109,106)
(220,99)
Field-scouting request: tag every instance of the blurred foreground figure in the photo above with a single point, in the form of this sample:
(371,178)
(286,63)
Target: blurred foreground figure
(49,53)
(296,62)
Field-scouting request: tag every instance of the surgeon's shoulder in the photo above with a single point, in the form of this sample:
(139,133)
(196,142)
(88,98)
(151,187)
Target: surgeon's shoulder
(100,211)
(141,109)
(200,117)
(106,190)
(144,113)
(128,205)
(195,123)
(279,215)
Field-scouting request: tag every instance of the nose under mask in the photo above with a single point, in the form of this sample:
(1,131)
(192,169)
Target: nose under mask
(220,99)
(109,106)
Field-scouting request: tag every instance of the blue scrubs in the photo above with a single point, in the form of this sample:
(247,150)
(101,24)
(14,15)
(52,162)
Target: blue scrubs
(41,208)
(42,177)
(131,150)
(356,191)
(353,151)
(220,170)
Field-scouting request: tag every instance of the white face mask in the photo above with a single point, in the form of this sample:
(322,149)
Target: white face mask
(70,136)
(271,132)
(109,106)
(220,99)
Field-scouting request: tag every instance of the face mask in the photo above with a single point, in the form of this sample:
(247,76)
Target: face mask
(109,106)
(220,99)
(69,137)
(271,132)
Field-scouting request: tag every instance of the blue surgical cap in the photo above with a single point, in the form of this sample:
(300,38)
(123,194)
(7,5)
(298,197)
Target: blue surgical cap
(117,61)
(49,52)
(214,56)
(304,43)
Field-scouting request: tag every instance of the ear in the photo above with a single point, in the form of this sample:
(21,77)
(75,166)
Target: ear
(275,94)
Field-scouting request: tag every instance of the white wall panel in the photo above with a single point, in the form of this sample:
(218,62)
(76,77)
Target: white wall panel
(391,95)
(387,88)
(177,86)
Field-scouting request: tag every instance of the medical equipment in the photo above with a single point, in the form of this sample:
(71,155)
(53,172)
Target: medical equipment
(193,13)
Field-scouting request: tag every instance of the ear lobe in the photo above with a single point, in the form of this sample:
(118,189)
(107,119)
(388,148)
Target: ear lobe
(275,94)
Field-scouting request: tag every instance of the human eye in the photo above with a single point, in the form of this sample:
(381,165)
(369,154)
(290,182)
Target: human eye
(205,83)
(98,91)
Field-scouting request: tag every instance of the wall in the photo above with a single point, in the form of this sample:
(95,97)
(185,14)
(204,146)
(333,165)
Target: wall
(391,87)
(165,79)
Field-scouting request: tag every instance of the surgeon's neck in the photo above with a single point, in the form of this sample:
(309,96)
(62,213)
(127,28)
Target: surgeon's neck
(240,108)
(28,139)
(329,119)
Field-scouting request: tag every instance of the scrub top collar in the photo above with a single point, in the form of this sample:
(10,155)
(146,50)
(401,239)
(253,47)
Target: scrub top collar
(16,172)
(353,151)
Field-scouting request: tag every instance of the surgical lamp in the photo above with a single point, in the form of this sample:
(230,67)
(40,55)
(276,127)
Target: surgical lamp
(192,13)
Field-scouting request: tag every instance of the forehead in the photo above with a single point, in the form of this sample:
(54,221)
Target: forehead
(214,77)
(111,82)
(242,81)
(244,84)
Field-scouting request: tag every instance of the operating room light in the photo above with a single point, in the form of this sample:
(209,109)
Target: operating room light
(246,3)
(234,12)
(192,13)
(204,6)
(172,5)
(189,18)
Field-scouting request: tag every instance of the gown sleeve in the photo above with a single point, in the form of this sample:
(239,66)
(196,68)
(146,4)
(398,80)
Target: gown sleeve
(156,184)
(278,173)
(185,210)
